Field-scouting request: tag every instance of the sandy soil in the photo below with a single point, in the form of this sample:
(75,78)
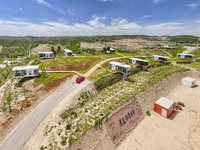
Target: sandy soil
(126,44)
(180,131)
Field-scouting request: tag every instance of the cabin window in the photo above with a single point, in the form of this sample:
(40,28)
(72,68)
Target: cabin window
(30,72)
(42,55)
(20,73)
(36,72)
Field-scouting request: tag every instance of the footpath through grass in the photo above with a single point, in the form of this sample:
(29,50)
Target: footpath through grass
(93,108)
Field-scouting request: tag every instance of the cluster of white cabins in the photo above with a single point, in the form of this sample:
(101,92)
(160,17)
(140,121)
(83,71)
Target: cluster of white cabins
(33,71)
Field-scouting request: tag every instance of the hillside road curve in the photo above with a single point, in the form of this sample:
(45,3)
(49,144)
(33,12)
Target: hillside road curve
(22,132)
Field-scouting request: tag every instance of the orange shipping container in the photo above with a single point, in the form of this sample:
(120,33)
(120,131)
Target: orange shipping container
(164,107)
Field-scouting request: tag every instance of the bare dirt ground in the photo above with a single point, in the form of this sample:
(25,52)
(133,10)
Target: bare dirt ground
(44,48)
(126,44)
(180,131)
(21,108)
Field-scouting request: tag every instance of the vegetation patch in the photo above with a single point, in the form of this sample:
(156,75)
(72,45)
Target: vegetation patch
(48,77)
(196,53)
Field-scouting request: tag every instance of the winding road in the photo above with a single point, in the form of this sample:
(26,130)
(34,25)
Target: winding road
(22,132)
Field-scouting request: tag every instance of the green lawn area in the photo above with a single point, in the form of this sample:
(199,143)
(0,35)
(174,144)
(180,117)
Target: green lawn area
(150,52)
(98,74)
(107,56)
(96,62)
(174,51)
(130,54)
(64,61)
(176,59)
(93,108)
(53,76)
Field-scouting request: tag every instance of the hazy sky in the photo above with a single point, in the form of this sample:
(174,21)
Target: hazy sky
(99,17)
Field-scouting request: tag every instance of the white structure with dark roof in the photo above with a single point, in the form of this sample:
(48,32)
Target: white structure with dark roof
(25,71)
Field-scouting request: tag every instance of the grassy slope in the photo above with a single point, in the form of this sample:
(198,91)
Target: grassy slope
(64,61)
(53,76)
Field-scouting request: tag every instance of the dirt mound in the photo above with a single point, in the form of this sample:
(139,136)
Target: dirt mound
(44,48)
(76,67)
(127,44)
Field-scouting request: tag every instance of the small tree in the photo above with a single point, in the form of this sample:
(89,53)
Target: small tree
(59,49)
(53,50)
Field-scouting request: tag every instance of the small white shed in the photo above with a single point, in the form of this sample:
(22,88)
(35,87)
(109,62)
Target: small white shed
(25,71)
(45,55)
(68,52)
(187,81)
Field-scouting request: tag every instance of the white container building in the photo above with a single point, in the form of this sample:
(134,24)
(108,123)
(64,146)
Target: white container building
(122,68)
(160,58)
(185,56)
(68,52)
(187,81)
(48,55)
(138,62)
(25,71)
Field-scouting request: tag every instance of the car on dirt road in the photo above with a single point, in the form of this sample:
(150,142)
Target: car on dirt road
(80,79)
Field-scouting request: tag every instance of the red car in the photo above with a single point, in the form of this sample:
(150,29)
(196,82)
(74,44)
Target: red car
(80,79)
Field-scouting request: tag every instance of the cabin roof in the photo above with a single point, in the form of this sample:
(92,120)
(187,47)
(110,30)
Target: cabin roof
(114,63)
(120,64)
(139,59)
(160,56)
(164,102)
(25,67)
(45,52)
(184,54)
(67,50)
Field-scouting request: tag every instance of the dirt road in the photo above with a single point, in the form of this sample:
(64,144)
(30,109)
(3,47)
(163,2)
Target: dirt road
(189,50)
(22,132)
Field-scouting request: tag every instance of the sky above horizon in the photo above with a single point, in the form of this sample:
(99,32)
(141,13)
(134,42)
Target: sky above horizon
(99,17)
